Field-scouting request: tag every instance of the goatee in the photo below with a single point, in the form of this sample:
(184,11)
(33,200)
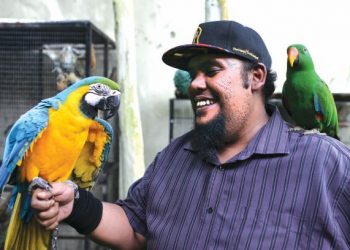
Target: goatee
(207,138)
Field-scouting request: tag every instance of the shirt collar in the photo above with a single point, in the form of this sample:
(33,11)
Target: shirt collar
(272,138)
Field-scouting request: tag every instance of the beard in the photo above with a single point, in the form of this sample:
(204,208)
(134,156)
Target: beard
(209,137)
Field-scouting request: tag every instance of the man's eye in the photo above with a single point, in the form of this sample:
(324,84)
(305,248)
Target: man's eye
(211,72)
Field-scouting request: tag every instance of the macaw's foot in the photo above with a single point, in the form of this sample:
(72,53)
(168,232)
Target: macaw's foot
(38,182)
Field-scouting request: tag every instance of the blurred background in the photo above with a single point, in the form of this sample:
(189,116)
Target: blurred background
(48,45)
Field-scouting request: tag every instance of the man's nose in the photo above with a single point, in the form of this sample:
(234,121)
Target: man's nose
(198,82)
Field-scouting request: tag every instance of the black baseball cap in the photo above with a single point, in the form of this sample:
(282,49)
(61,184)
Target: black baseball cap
(221,37)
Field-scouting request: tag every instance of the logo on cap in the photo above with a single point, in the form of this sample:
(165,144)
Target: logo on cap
(197,34)
(245,52)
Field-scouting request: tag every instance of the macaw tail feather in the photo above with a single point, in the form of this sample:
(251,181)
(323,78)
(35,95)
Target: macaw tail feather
(25,236)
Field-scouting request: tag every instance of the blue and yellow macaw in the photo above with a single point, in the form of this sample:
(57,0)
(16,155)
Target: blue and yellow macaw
(62,138)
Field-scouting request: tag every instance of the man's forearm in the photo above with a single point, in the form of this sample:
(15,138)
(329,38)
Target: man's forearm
(114,229)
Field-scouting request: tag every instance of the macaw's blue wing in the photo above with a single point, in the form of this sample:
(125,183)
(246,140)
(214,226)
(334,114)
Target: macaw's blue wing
(21,136)
(94,155)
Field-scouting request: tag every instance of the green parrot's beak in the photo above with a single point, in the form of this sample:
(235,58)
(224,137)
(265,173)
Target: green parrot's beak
(293,55)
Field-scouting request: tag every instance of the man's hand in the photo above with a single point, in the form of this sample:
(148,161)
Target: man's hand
(53,207)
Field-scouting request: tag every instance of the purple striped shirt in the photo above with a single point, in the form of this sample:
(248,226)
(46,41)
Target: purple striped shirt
(286,190)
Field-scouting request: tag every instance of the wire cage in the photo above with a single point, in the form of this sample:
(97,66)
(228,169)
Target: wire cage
(33,57)
(37,58)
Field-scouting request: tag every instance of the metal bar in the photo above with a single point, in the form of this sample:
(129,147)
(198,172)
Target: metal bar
(171,120)
(105,59)
(88,42)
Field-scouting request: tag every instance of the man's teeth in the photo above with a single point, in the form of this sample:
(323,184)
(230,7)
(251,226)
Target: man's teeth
(203,103)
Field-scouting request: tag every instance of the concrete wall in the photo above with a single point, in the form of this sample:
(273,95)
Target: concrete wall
(160,25)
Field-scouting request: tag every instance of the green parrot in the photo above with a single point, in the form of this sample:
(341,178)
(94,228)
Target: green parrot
(62,138)
(306,97)
(182,81)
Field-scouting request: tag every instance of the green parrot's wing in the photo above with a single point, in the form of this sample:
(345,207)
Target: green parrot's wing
(326,111)
(94,155)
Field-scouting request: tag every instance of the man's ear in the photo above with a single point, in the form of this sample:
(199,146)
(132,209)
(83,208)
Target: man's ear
(258,77)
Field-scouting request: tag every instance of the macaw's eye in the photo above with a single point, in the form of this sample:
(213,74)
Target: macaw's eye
(98,88)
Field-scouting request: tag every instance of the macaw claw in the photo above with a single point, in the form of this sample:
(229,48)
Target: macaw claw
(38,182)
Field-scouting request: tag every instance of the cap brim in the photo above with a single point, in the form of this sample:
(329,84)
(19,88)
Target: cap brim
(180,56)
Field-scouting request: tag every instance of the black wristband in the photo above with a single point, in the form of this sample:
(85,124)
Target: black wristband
(86,213)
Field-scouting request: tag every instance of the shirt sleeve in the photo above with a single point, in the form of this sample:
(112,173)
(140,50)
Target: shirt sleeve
(136,201)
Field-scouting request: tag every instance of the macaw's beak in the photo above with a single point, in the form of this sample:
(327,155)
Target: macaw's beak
(110,105)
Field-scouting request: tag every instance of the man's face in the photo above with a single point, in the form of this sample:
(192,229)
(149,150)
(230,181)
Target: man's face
(217,90)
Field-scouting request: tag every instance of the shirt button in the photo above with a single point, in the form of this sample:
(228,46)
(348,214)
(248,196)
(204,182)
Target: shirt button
(210,210)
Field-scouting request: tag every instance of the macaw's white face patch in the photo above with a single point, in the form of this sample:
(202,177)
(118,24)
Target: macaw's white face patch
(97,91)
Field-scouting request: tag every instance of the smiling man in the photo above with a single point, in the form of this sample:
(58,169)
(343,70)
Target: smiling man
(241,179)
(228,91)
(228,104)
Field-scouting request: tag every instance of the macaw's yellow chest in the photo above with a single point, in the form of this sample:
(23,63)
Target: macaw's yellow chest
(53,154)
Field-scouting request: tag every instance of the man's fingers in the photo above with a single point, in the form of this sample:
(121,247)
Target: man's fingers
(50,224)
(42,194)
(42,201)
(49,218)
(58,188)
(62,192)
(50,212)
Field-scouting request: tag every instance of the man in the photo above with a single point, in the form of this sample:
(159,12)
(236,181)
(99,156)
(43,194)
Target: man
(242,179)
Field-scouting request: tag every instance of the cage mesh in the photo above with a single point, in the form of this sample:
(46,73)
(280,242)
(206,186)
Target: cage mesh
(29,53)
(30,66)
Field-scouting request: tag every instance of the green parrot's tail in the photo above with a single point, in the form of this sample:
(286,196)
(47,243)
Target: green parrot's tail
(25,236)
